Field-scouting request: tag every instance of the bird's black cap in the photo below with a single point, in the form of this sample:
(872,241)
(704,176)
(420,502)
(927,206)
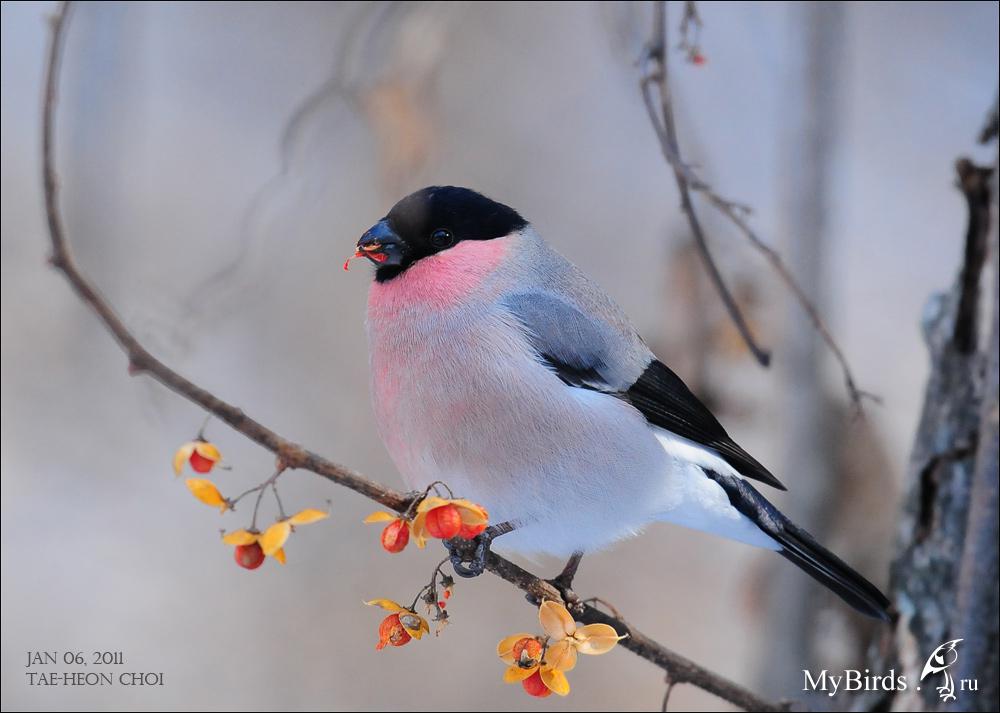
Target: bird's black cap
(431,220)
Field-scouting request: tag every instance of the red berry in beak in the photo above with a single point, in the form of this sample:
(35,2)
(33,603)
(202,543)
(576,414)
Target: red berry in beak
(347,262)
(249,556)
(444,522)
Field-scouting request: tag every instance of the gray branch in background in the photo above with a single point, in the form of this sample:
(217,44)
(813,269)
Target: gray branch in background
(662,118)
(655,76)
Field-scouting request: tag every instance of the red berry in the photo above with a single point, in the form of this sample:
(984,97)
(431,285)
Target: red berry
(469,532)
(447,594)
(391,632)
(444,522)
(442,604)
(249,556)
(699,58)
(200,463)
(395,536)
(534,685)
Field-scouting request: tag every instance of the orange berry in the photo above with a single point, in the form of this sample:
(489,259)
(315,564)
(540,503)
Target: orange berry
(200,463)
(469,532)
(391,632)
(535,686)
(444,522)
(249,556)
(527,652)
(395,536)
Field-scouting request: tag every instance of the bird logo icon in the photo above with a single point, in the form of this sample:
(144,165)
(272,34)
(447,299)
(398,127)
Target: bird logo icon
(938,662)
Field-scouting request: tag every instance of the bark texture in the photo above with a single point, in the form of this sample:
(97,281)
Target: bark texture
(944,575)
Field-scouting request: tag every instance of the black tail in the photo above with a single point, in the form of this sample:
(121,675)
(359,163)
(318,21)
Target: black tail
(798,546)
(831,571)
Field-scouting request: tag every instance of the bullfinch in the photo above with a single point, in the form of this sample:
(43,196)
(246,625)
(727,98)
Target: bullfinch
(501,369)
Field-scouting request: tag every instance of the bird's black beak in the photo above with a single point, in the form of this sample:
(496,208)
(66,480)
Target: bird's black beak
(381,245)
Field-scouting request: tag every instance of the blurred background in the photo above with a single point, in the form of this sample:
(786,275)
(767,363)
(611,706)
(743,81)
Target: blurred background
(217,163)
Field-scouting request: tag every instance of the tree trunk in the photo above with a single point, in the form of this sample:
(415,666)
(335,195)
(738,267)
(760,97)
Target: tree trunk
(944,576)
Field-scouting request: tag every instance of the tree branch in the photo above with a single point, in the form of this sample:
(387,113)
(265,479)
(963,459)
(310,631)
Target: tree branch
(654,75)
(292,455)
(943,575)
(663,123)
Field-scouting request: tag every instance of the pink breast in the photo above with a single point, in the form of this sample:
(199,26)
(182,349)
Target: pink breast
(405,315)
(440,280)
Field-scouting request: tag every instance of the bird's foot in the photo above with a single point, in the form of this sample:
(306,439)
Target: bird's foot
(468,557)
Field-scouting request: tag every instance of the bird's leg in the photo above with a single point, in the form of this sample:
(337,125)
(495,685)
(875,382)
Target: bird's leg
(473,564)
(564,580)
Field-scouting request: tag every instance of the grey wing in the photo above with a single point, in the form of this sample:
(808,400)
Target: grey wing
(597,349)
(583,350)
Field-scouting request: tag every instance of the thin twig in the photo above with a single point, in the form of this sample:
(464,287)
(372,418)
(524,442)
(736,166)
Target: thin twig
(666,694)
(604,603)
(277,498)
(233,502)
(654,75)
(663,123)
(292,455)
(260,496)
(991,127)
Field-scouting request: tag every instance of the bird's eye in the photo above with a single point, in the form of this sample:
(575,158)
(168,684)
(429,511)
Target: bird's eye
(441,239)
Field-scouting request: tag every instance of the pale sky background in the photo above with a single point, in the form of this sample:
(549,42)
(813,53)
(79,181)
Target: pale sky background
(174,167)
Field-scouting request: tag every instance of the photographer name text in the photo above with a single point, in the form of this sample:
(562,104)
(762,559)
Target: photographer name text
(105,672)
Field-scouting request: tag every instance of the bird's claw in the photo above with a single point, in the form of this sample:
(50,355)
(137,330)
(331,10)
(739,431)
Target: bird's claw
(468,557)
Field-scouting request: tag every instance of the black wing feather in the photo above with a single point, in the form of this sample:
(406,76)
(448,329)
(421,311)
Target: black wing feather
(667,402)
(582,377)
